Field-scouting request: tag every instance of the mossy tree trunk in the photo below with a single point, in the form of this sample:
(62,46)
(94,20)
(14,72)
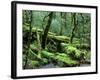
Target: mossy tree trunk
(44,37)
(63,25)
(39,44)
(74,27)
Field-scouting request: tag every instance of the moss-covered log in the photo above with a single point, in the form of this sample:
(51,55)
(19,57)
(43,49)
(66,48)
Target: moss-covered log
(51,35)
(65,60)
(62,58)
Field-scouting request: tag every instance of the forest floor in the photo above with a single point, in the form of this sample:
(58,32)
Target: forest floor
(58,52)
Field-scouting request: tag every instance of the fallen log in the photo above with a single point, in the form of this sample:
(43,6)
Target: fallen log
(65,60)
(61,58)
(50,36)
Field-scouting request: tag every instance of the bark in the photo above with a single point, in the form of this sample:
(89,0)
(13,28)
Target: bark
(39,44)
(44,21)
(63,25)
(61,29)
(44,37)
(74,27)
(83,27)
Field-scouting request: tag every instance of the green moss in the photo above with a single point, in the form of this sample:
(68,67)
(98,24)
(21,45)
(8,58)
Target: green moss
(50,33)
(47,54)
(65,60)
(83,46)
(73,52)
(87,55)
(76,42)
(45,61)
(34,45)
(63,45)
(77,54)
(33,64)
(62,38)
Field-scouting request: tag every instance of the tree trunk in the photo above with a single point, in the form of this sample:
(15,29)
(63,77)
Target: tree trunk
(39,44)
(44,37)
(74,27)
(63,25)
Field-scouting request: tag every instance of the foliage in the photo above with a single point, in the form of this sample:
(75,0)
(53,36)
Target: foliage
(46,54)
(45,61)
(33,64)
(83,46)
(74,52)
(60,38)
(62,57)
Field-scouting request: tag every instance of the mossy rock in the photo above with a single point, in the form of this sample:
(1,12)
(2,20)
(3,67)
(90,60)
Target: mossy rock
(46,54)
(65,60)
(33,64)
(45,61)
(73,52)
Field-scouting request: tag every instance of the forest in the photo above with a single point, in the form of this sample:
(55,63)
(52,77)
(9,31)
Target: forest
(56,39)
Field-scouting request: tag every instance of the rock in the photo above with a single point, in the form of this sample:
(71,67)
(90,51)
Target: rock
(65,60)
(73,52)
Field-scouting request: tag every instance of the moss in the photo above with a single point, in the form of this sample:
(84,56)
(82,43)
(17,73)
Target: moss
(62,38)
(34,45)
(34,29)
(83,46)
(76,42)
(87,55)
(45,61)
(78,54)
(32,64)
(73,52)
(35,63)
(46,54)
(50,33)
(63,45)
(65,60)
(25,27)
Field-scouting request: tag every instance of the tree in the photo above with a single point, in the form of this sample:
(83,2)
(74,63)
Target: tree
(74,27)
(44,37)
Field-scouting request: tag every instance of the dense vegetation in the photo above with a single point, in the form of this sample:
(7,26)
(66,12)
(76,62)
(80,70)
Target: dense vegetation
(56,39)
